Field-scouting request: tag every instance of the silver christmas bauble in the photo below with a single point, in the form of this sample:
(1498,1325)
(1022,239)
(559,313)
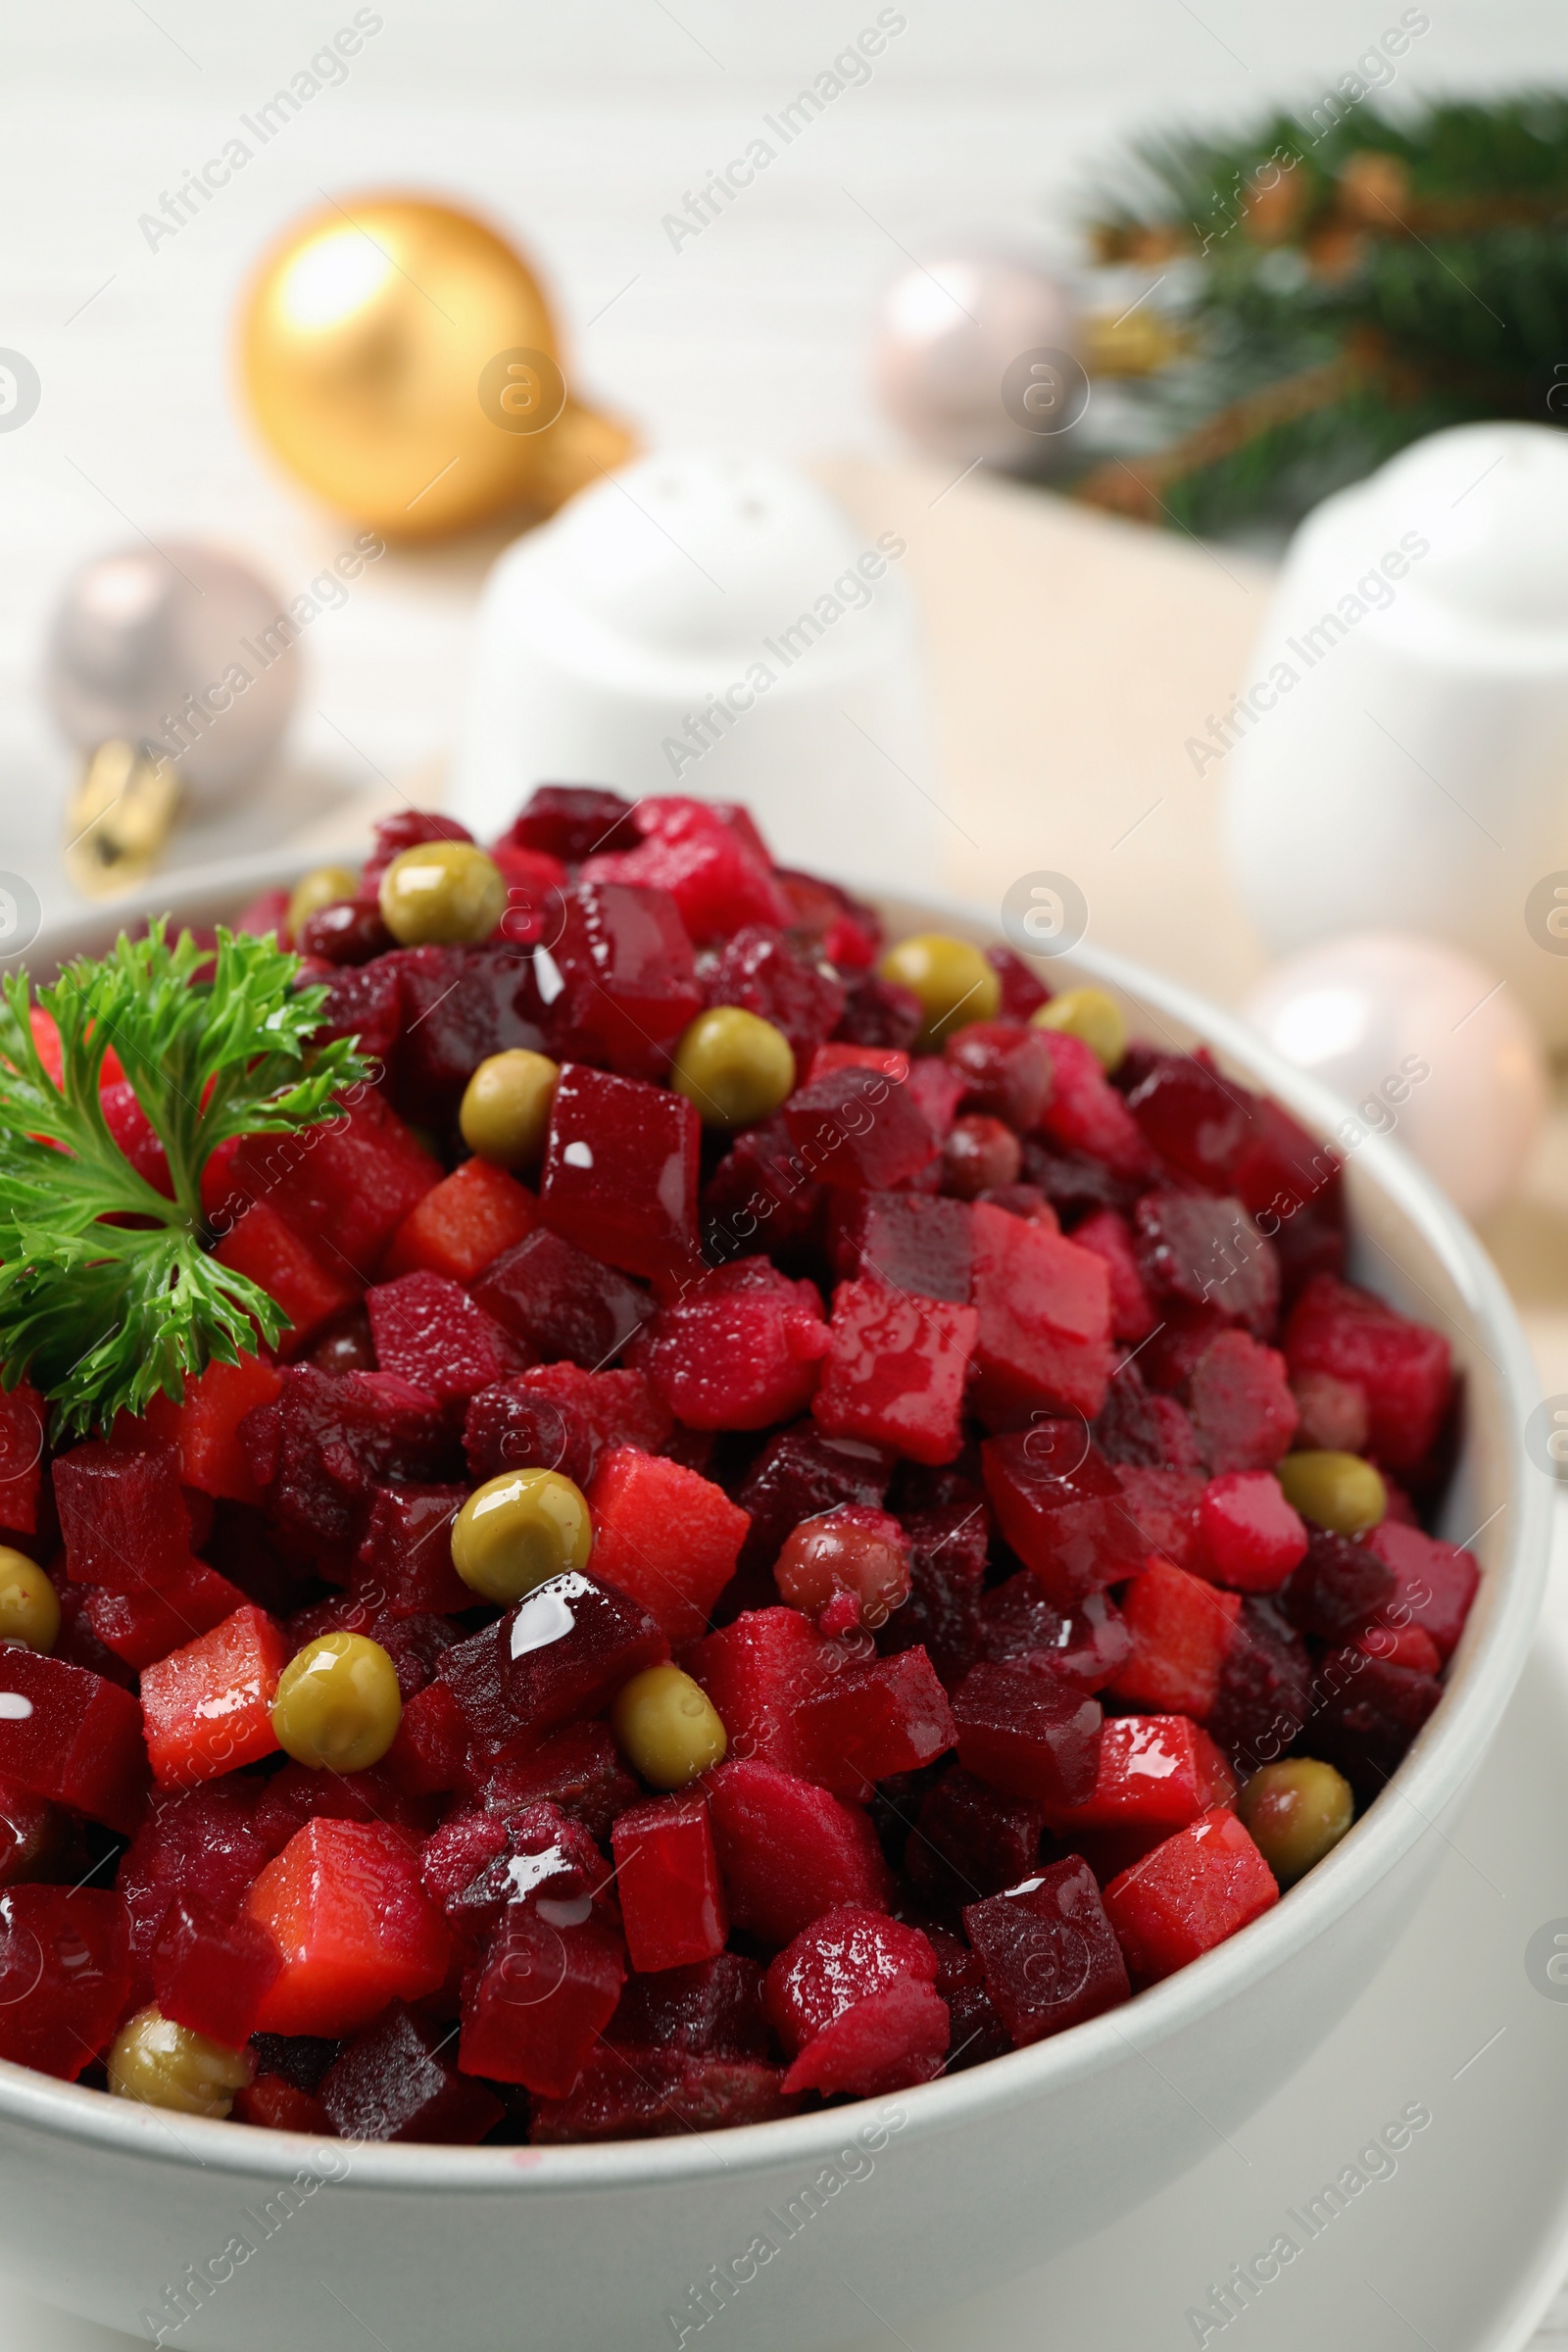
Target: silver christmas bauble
(184,650)
(978,353)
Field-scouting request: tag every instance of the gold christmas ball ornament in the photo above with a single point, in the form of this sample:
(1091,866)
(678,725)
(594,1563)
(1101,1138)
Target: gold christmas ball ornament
(402,361)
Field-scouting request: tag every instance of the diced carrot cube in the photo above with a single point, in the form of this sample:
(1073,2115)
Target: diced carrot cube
(344,1905)
(464,1223)
(288,1270)
(1182,1629)
(665,1535)
(207,1708)
(1189,1894)
(203,1424)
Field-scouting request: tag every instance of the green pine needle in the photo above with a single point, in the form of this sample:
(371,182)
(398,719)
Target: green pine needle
(101,1316)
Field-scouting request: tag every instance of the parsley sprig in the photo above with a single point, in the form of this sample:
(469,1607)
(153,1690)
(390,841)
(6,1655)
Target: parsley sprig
(102,1315)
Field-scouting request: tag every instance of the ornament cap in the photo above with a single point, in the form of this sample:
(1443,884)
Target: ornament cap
(119,817)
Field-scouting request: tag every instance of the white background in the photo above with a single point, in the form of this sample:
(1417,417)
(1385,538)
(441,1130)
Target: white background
(576,126)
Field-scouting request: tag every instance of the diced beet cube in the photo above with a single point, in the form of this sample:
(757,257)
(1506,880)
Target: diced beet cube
(1197,1121)
(1021,992)
(568,1648)
(1249,1536)
(1208,1252)
(539,2002)
(1059,1505)
(1182,1629)
(1436,1581)
(790,1850)
(459,1852)
(710,2010)
(636,2093)
(212,1973)
(1402,1369)
(1265,1687)
(978,2032)
(620,1171)
(762,1188)
(1132,1313)
(1154,1772)
(1043,1305)
(712,869)
(546,1863)
(1018,1623)
(666,1535)
(620,1409)
(949,1550)
(756,1672)
(1407,1646)
(511,1427)
(22,1420)
(620,984)
(298,1795)
(328,1441)
(666,1875)
(429,1331)
(762,972)
(1164,1503)
(1007,1067)
(800,1473)
(1189,1894)
(404,1563)
(936,1088)
(464,1223)
(143,1627)
(1174,1353)
(872,1721)
(1340,1588)
(1030,1734)
(1086,1114)
(1049,1954)
(858,1131)
(1243,1410)
(64,1975)
(1283,1168)
(910,1240)
(68,1735)
(895,1373)
(344,1905)
(1373,1711)
(348,932)
(1139,1429)
(121,1513)
(207,1708)
(458,1005)
(577,1768)
(364,1003)
(393,2083)
(201,1427)
(570,821)
(739,1349)
(203,1842)
(879,1012)
(560,1301)
(264,1246)
(970,1840)
(353,1178)
(852,1999)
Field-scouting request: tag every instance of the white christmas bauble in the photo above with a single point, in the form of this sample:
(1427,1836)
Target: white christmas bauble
(1424,1044)
(978,354)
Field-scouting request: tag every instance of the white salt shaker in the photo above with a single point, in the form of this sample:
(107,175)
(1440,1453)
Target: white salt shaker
(712,624)
(1398,757)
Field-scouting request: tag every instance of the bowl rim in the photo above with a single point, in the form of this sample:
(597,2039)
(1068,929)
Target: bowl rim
(1439,1765)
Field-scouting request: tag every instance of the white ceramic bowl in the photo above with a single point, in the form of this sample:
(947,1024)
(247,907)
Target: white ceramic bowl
(791,2236)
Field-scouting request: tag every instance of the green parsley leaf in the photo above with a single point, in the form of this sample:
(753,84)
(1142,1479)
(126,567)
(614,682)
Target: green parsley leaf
(99,1315)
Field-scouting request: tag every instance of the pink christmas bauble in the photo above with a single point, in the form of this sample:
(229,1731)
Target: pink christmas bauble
(978,354)
(1424,1044)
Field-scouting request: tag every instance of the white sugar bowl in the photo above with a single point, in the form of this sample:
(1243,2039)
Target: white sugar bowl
(713,624)
(1399,756)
